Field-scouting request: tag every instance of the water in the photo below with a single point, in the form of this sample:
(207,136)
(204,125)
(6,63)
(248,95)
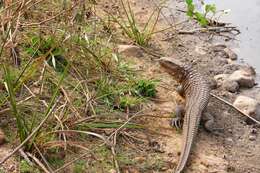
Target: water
(246,16)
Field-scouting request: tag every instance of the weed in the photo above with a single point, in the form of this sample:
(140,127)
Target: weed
(26,168)
(73,59)
(79,166)
(19,120)
(130,27)
(129,102)
(201,17)
(145,88)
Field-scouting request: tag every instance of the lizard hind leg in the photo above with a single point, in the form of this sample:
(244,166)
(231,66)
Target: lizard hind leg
(208,121)
(177,121)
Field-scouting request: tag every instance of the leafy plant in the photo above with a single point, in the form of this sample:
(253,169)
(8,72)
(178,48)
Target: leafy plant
(146,88)
(201,17)
(129,102)
(39,46)
(79,166)
(26,168)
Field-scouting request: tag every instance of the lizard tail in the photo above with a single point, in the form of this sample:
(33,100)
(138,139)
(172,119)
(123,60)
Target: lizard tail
(190,128)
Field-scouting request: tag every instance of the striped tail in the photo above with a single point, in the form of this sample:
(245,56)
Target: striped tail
(190,128)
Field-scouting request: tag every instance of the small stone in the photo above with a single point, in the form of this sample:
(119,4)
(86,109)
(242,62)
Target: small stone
(230,68)
(130,50)
(244,78)
(231,86)
(222,62)
(218,47)
(229,140)
(253,131)
(230,130)
(220,78)
(249,69)
(247,105)
(252,138)
(231,54)
(212,83)
(200,50)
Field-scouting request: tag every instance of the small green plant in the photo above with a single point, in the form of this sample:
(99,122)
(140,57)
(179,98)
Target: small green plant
(39,46)
(145,88)
(26,168)
(79,166)
(129,101)
(130,27)
(22,129)
(201,17)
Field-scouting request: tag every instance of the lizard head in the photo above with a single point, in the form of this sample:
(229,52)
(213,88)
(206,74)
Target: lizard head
(173,67)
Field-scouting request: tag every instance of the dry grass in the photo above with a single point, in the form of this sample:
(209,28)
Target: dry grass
(67,88)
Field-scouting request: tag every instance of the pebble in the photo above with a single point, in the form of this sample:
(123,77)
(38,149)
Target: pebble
(230,53)
(231,86)
(130,50)
(253,131)
(247,105)
(220,78)
(243,77)
(229,140)
(252,138)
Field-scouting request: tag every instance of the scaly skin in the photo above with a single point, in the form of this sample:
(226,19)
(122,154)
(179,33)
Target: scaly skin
(197,93)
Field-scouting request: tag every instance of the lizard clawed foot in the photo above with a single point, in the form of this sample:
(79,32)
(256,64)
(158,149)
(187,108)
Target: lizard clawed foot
(176,122)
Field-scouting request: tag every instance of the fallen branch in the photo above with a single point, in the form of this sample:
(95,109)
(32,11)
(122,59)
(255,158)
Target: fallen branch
(37,161)
(217,30)
(210,29)
(234,107)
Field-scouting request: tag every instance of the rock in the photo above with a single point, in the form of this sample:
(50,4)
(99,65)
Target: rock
(221,61)
(230,140)
(218,47)
(252,138)
(231,86)
(130,50)
(200,50)
(220,78)
(247,105)
(230,53)
(253,131)
(212,83)
(230,68)
(243,78)
(249,69)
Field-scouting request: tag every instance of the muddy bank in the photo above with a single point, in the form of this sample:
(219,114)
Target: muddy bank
(234,147)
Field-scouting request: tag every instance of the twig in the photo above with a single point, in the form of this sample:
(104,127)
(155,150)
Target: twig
(37,161)
(84,132)
(204,30)
(49,19)
(212,29)
(43,158)
(31,135)
(26,158)
(74,160)
(234,107)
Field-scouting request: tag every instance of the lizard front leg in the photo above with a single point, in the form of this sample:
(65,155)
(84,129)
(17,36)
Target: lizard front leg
(177,121)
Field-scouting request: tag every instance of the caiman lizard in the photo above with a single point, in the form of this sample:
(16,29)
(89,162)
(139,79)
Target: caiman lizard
(197,93)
